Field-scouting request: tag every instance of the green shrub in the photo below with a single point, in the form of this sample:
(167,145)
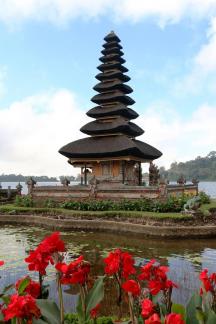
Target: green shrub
(172,204)
(73,319)
(24,201)
(205,199)
(50,203)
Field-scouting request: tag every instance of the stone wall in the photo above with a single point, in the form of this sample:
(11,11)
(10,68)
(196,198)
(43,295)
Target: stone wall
(62,193)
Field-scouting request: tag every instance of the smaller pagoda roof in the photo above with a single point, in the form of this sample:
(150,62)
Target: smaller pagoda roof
(116,125)
(111,66)
(113,74)
(112,96)
(113,85)
(112,37)
(112,45)
(115,110)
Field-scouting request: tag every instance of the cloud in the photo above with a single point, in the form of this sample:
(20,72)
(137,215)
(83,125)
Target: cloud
(3,75)
(179,139)
(63,11)
(33,130)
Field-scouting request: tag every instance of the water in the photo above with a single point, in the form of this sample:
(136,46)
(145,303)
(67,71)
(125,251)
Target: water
(184,257)
(208,187)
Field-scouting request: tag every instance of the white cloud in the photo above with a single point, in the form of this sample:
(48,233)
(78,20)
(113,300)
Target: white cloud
(33,130)
(62,11)
(180,139)
(3,75)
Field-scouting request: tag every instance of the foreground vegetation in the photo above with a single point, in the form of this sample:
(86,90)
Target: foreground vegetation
(146,289)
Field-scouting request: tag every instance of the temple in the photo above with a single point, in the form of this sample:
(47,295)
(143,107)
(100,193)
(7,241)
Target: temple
(111,154)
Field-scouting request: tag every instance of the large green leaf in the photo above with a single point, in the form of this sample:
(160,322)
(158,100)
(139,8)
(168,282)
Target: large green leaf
(49,311)
(95,295)
(22,286)
(191,309)
(80,312)
(179,309)
(38,321)
(211,317)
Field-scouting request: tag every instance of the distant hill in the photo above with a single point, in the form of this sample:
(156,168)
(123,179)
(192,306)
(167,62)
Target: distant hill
(202,168)
(20,177)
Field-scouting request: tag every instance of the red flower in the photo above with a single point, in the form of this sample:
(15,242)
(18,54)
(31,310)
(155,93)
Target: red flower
(207,281)
(33,288)
(23,307)
(119,262)
(52,244)
(94,311)
(40,258)
(174,319)
(131,286)
(154,319)
(1,263)
(75,272)
(155,286)
(147,308)
(146,270)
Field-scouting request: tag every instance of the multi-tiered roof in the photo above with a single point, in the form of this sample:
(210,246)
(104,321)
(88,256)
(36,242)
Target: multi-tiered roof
(112,134)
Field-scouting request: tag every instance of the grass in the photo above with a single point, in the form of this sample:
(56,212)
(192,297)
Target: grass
(205,208)
(10,208)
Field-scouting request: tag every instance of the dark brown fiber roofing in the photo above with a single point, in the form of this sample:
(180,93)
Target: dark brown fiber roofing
(109,146)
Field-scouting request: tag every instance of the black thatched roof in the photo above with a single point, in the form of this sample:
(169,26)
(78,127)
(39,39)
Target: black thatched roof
(109,146)
(112,132)
(112,110)
(117,125)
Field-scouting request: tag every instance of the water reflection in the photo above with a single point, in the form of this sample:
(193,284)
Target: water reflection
(184,257)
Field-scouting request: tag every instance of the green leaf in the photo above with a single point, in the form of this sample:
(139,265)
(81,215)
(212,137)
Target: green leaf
(80,313)
(38,321)
(95,295)
(211,317)
(49,311)
(1,316)
(200,316)
(191,309)
(179,309)
(22,286)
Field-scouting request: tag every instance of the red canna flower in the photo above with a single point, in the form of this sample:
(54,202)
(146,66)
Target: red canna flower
(22,307)
(40,258)
(75,272)
(174,319)
(131,286)
(94,311)
(147,270)
(207,281)
(1,263)
(154,319)
(119,262)
(147,308)
(33,288)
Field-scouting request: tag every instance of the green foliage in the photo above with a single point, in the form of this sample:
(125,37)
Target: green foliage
(24,201)
(172,204)
(204,198)
(50,203)
(203,168)
(73,319)
(49,310)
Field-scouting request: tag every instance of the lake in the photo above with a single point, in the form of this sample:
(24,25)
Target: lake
(208,187)
(184,257)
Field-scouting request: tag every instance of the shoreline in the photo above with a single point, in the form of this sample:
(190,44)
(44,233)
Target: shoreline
(156,231)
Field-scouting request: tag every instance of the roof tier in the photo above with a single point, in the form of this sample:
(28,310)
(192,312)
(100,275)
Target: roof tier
(109,147)
(115,125)
(112,110)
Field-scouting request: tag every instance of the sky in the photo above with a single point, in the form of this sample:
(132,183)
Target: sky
(49,53)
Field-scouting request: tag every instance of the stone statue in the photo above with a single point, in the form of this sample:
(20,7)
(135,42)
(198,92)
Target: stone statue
(192,204)
(181,180)
(93,187)
(65,182)
(30,183)
(154,175)
(195,181)
(19,189)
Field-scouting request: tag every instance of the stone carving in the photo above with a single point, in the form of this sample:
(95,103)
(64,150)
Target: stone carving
(195,181)
(181,180)
(192,204)
(19,189)
(154,175)
(93,187)
(65,182)
(30,183)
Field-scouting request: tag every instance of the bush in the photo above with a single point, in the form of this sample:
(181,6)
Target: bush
(172,204)
(50,203)
(24,201)
(73,319)
(204,198)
